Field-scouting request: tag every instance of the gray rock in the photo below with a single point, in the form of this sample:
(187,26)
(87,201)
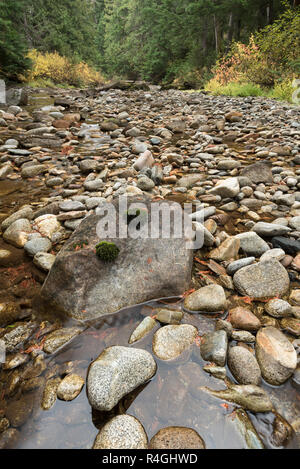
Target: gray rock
(262,280)
(95,185)
(270,229)
(214,346)
(122,432)
(37,245)
(233,267)
(145,184)
(171,341)
(17,233)
(44,260)
(117,372)
(277,254)
(24,212)
(276,355)
(295,223)
(278,308)
(118,284)
(243,365)
(258,172)
(243,336)
(252,244)
(71,206)
(228,188)
(210,298)
(32,171)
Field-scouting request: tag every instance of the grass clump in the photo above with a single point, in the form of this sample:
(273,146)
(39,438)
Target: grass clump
(234,89)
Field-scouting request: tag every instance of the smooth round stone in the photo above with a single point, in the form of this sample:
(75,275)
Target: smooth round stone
(71,205)
(122,432)
(243,365)
(278,308)
(17,233)
(243,336)
(262,280)
(37,245)
(276,253)
(210,298)
(177,438)
(252,244)
(233,267)
(117,372)
(70,387)
(270,229)
(275,354)
(145,184)
(171,341)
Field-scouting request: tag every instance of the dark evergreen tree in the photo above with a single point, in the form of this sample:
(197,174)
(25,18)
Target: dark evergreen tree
(13,46)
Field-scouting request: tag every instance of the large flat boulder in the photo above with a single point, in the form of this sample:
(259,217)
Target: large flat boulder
(83,287)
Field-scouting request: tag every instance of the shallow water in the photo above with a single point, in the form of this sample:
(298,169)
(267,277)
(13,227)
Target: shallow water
(171,398)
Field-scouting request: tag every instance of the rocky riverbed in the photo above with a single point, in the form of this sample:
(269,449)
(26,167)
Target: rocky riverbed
(210,356)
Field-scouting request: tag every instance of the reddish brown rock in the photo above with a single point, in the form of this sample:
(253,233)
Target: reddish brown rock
(243,318)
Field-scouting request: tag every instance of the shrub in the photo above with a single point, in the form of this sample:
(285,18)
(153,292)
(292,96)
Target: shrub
(283,91)
(107,252)
(58,69)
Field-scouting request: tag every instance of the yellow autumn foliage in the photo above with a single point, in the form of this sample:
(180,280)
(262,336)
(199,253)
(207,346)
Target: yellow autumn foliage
(52,67)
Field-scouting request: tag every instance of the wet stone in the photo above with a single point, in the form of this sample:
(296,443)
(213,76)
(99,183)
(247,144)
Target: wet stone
(50,393)
(276,356)
(146,326)
(117,372)
(214,346)
(70,387)
(249,396)
(243,365)
(171,341)
(122,432)
(59,338)
(168,316)
(211,298)
(177,438)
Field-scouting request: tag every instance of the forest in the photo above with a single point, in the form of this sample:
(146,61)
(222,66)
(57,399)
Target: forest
(175,42)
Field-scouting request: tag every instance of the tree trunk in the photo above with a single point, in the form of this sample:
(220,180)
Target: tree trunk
(217,33)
